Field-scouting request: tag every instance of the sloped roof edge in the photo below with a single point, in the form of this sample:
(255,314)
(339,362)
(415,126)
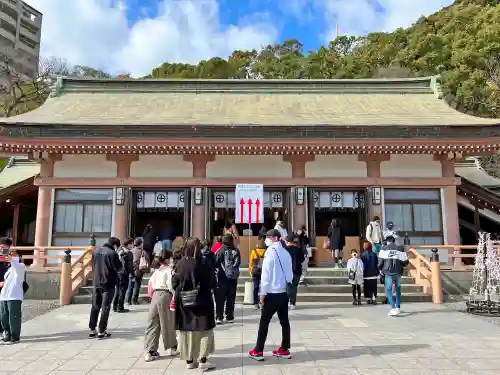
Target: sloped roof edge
(71,84)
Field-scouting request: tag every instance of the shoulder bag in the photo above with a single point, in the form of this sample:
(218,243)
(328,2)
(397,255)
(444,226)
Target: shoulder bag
(288,283)
(353,272)
(189,298)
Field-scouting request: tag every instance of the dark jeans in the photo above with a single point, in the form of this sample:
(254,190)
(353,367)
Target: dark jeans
(134,288)
(274,303)
(256,287)
(292,289)
(120,291)
(10,314)
(225,295)
(102,297)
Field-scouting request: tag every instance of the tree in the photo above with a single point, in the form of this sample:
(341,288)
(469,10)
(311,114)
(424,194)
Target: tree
(20,93)
(88,72)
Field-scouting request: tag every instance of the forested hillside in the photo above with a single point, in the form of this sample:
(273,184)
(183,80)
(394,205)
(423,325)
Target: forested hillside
(460,42)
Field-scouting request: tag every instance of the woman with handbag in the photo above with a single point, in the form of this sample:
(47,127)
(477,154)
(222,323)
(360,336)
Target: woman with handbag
(194,307)
(355,275)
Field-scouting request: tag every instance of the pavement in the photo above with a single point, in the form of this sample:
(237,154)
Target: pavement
(327,339)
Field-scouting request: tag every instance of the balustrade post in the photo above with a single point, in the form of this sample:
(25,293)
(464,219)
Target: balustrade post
(436,284)
(457,262)
(65,288)
(90,249)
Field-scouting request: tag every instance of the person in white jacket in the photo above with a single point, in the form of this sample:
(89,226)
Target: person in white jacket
(280,227)
(277,274)
(374,234)
(11,299)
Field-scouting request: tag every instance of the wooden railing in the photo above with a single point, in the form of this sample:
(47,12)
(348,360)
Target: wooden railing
(427,273)
(74,274)
(452,257)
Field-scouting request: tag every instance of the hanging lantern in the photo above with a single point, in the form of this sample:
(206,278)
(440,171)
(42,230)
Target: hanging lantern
(216,215)
(276,214)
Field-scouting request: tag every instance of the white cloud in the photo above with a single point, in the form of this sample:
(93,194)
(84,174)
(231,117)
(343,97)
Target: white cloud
(96,33)
(357,17)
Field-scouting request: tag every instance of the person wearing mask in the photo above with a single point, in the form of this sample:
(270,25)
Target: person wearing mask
(255,264)
(355,275)
(297,255)
(336,237)
(140,266)
(280,227)
(277,273)
(392,260)
(126,259)
(194,317)
(370,273)
(11,298)
(148,240)
(160,318)
(5,244)
(389,231)
(304,245)
(217,245)
(105,268)
(227,261)
(374,234)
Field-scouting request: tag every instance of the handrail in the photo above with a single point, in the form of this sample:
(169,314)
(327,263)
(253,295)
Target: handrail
(427,273)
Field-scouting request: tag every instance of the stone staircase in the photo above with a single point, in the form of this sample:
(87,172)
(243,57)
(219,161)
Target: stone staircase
(322,285)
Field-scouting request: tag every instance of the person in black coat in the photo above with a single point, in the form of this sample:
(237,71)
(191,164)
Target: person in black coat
(297,255)
(337,242)
(194,323)
(105,267)
(148,240)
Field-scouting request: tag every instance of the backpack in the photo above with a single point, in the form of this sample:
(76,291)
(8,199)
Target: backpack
(257,265)
(229,268)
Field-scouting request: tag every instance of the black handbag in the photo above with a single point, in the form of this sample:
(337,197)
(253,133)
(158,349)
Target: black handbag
(26,286)
(189,298)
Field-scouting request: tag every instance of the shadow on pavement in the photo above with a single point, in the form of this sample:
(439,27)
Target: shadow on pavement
(304,356)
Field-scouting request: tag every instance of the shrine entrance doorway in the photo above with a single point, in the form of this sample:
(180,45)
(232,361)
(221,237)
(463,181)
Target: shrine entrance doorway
(168,211)
(347,206)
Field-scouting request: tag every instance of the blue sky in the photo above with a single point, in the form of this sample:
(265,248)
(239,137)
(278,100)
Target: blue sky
(134,36)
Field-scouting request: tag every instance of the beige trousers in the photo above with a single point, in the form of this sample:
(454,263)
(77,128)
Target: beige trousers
(160,322)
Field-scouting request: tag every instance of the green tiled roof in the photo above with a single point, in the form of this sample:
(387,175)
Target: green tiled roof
(382,102)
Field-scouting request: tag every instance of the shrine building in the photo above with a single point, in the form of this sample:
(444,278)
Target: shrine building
(115,155)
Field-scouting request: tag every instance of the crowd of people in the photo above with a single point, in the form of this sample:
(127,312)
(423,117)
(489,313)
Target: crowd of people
(193,287)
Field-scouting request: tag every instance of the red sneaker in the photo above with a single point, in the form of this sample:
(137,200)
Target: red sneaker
(282,353)
(255,355)
(172,304)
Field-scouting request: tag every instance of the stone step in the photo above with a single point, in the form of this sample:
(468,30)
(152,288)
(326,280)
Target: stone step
(309,297)
(305,289)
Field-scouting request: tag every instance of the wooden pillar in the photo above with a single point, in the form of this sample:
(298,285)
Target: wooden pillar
(123,163)
(43,209)
(15,224)
(451,225)
(198,212)
(373,170)
(298,163)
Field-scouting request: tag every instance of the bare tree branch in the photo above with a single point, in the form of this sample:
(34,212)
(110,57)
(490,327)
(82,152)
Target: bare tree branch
(20,93)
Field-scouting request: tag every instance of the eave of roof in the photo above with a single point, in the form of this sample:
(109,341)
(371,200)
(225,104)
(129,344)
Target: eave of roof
(342,103)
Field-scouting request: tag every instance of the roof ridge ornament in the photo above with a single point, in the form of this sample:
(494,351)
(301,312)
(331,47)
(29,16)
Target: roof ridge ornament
(436,86)
(56,87)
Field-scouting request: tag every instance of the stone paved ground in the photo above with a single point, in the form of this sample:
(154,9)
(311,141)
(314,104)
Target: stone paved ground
(327,340)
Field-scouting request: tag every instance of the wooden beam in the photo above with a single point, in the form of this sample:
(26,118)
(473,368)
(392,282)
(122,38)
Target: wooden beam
(15,224)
